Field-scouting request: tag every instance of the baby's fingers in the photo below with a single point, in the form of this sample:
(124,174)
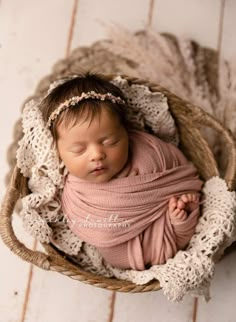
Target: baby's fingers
(184,198)
(181,204)
(175,213)
(195,198)
(133,172)
(192,197)
(182,215)
(189,197)
(178,216)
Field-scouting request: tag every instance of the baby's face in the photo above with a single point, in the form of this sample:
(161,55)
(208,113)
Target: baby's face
(82,148)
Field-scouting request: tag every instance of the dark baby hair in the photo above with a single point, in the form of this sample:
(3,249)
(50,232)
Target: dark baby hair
(75,87)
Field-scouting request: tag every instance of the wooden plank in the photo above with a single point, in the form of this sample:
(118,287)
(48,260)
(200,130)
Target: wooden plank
(152,306)
(228,46)
(92,14)
(13,277)
(223,297)
(27,54)
(195,19)
(57,297)
(30,43)
(76,300)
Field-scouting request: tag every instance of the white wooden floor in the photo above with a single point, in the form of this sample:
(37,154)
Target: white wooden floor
(34,35)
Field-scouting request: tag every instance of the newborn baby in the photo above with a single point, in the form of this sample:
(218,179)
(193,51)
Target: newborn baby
(133,196)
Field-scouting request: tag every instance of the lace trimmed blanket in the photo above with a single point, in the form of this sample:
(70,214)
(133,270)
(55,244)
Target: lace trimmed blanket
(190,270)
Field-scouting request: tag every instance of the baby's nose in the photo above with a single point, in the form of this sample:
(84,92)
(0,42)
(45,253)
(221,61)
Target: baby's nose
(97,154)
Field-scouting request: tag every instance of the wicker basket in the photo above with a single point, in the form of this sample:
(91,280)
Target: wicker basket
(189,119)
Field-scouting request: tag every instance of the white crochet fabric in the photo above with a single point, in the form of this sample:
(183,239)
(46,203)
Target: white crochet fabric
(190,270)
(150,109)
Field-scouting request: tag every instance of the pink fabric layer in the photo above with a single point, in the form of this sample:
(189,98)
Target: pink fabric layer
(127,218)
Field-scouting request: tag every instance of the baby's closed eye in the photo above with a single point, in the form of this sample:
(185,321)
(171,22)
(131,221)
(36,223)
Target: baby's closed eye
(77,151)
(110,142)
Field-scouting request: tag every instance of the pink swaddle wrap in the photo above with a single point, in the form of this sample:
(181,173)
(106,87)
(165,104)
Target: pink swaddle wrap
(127,218)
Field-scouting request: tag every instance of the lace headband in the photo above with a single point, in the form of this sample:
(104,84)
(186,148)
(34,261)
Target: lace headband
(76,99)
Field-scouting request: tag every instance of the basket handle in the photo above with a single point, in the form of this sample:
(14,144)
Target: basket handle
(37,258)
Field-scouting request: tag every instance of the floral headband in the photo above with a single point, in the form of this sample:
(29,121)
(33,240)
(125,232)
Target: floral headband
(76,99)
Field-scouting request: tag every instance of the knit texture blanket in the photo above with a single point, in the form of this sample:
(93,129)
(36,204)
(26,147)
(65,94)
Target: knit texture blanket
(145,234)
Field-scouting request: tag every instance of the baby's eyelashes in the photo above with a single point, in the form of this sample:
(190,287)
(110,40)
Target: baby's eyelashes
(77,152)
(82,148)
(110,142)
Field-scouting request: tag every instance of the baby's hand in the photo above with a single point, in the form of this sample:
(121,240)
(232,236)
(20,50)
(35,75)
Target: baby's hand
(176,214)
(179,209)
(188,202)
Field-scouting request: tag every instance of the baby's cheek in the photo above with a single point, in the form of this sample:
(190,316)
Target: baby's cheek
(122,159)
(73,165)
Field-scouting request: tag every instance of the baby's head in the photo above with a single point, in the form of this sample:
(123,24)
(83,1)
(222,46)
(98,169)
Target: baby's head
(91,133)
